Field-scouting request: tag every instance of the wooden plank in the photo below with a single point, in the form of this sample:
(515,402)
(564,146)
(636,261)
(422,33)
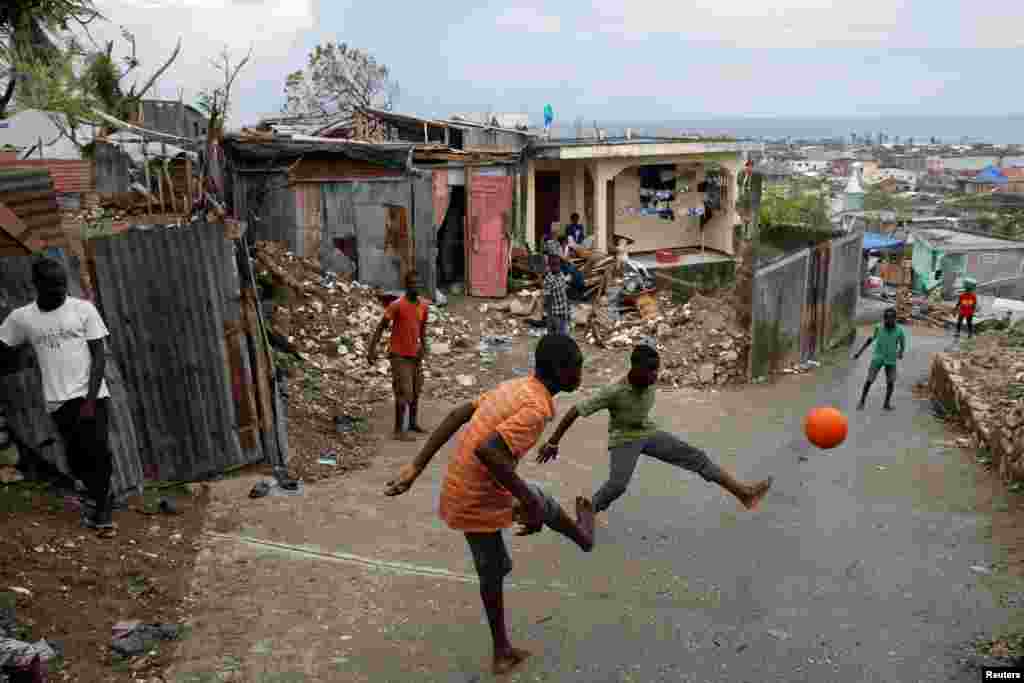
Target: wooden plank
(243,386)
(261,369)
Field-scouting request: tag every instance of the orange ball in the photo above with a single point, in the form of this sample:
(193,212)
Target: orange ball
(825,427)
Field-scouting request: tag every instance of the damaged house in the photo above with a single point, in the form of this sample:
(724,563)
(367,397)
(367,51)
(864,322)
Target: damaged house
(378,193)
(466,192)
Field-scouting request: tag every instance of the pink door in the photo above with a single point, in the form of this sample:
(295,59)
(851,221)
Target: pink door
(487,243)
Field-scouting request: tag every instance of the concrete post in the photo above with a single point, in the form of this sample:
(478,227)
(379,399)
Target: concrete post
(579,188)
(601,211)
(531,203)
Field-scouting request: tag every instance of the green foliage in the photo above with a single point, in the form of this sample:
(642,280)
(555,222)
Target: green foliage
(339,79)
(877,200)
(797,202)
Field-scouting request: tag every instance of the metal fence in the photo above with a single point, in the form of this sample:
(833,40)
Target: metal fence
(804,304)
(22,394)
(171,298)
(844,280)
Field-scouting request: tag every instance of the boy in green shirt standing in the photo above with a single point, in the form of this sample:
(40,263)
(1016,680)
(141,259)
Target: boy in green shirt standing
(890,345)
(631,433)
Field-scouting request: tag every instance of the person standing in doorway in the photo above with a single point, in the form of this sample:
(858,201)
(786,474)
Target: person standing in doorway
(67,336)
(890,344)
(575,232)
(408,346)
(965,308)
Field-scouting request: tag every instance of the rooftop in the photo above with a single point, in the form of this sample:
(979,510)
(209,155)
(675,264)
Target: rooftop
(589,148)
(953,241)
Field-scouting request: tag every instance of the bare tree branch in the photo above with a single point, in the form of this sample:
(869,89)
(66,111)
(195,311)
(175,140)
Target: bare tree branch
(159,72)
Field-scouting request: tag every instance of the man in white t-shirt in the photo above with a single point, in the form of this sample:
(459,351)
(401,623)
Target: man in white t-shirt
(67,336)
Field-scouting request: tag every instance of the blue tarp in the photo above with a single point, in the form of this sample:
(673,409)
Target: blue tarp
(874,240)
(991,175)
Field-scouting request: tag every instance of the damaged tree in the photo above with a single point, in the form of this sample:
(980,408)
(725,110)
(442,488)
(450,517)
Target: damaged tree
(103,78)
(216,103)
(26,30)
(339,79)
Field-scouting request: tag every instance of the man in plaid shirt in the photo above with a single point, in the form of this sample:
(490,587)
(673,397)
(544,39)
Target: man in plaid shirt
(556,297)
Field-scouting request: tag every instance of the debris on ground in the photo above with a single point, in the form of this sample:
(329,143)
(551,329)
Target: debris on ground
(62,584)
(133,638)
(320,325)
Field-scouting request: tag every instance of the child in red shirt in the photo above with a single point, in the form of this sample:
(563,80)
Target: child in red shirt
(965,310)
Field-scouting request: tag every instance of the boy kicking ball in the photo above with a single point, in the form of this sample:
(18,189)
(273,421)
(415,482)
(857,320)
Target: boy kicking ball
(482,494)
(631,433)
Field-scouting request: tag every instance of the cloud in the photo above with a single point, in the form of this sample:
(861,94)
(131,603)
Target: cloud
(275,29)
(529,19)
(798,23)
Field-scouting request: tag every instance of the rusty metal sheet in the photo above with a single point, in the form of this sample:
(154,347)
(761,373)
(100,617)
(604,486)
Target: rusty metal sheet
(164,297)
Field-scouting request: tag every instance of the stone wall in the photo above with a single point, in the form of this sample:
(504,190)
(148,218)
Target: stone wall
(998,427)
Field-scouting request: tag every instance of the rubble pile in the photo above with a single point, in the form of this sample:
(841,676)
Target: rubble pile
(701,342)
(321,326)
(983,383)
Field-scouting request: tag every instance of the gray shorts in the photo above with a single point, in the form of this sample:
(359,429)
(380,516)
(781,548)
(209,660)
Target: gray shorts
(490,554)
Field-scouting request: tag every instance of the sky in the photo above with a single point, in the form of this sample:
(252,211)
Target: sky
(610,60)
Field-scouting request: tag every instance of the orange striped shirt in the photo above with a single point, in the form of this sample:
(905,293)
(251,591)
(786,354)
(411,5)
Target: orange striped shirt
(471,499)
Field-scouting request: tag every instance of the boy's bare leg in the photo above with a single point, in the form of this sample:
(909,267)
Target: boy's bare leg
(580,531)
(506,657)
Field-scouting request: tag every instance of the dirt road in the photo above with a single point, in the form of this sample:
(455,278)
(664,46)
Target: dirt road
(872,563)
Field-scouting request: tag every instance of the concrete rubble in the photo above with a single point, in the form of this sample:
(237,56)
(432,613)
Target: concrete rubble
(982,383)
(321,325)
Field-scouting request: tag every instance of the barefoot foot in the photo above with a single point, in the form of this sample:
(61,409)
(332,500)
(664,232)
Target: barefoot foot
(507,661)
(757,492)
(585,521)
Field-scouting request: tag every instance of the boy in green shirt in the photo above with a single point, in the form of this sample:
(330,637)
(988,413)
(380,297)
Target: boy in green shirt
(631,433)
(890,345)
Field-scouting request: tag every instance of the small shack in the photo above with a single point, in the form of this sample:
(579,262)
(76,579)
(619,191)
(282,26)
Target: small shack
(360,209)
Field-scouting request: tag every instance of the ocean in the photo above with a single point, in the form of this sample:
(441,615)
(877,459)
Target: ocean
(946,129)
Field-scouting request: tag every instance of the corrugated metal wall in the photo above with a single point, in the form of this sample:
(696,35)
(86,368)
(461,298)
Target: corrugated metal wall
(111,167)
(165,296)
(267,202)
(359,208)
(28,192)
(844,282)
(780,326)
(339,219)
(779,294)
(70,176)
(22,392)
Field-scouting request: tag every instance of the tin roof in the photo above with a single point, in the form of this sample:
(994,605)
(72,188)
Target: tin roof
(29,194)
(952,241)
(70,176)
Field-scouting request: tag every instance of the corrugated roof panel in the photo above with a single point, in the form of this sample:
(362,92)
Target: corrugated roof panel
(70,176)
(28,192)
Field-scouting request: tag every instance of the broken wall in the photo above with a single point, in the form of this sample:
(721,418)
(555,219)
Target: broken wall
(779,294)
(168,297)
(843,289)
(360,212)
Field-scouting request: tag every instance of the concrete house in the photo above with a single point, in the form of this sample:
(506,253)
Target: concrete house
(662,193)
(173,118)
(985,259)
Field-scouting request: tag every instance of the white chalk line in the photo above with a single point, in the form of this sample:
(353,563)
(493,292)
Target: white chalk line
(392,566)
